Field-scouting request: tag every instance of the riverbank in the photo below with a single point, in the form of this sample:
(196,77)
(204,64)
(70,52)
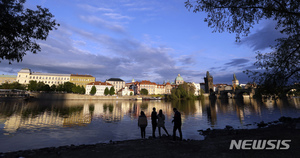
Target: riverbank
(216,144)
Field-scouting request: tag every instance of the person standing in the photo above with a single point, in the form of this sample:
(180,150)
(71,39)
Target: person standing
(142,123)
(154,121)
(161,122)
(177,124)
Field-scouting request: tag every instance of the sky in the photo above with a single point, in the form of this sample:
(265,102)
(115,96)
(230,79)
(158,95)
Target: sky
(142,40)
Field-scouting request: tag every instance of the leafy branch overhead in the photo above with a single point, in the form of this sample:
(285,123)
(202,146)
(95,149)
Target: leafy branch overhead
(20,28)
(279,67)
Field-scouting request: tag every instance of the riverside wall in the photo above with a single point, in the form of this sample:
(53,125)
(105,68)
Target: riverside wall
(70,96)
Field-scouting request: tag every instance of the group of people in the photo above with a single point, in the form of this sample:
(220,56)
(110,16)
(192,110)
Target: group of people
(158,120)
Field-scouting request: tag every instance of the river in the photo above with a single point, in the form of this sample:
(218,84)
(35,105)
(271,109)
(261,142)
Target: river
(38,124)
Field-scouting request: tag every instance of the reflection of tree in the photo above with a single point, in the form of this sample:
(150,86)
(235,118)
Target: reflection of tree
(144,106)
(211,112)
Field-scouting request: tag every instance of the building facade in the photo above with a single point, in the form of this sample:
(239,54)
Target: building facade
(117,83)
(125,92)
(7,79)
(25,75)
(100,87)
(81,80)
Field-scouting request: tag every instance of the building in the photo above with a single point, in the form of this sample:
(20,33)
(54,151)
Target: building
(125,92)
(197,88)
(152,87)
(179,80)
(117,83)
(7,79)
(100,87)
(81,80)
(25,75)
(209,85)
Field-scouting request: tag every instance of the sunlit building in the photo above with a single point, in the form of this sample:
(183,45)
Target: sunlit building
(117,83)
(179,80)
(25,75)
(100,87)
(81,80)
(7,79)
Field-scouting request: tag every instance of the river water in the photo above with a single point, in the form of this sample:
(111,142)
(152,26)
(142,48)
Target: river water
(39,124)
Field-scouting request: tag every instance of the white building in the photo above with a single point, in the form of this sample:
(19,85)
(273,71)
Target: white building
(100,87)
(197,88)
(25,75)
(117,83)
(125,91)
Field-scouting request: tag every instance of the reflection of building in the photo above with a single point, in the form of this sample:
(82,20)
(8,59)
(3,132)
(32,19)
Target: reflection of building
(117,83)
(81,80)
(25,75)
(209,85)
(7,79)
(179,80)
(16,121)
(100,87)
(78,118)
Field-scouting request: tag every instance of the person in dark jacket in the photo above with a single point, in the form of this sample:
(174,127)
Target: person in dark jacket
(154,121)
(142,123)
(177,124)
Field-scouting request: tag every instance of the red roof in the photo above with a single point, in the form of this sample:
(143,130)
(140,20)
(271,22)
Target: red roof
(99,83)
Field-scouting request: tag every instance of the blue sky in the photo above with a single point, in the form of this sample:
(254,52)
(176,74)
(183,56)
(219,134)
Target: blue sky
(141,39)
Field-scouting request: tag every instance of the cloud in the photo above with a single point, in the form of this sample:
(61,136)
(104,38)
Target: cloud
(103,23)
(117,16)
(237,62)
(263,38)
(94,9)
(186,60)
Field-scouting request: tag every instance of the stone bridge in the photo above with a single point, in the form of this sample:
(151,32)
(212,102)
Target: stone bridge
(238,93)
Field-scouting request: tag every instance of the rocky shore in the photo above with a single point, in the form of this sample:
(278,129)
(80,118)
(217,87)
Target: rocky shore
(216,144)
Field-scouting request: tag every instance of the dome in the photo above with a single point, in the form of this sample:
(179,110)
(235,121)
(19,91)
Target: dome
(178,78)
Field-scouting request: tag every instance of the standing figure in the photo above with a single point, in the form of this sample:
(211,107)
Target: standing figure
(161,122)
(177,124)
(142,123)
(154,121)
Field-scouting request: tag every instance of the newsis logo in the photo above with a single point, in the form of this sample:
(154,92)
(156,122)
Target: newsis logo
(260,144)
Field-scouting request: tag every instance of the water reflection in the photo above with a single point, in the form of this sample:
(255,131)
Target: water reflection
(114,118)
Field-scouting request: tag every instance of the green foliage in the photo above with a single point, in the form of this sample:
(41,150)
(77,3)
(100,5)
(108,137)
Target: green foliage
(53,87)
(14,85)
(112,91)
(131,93)
(68,86)
(144,91)
(278,68)
(106,91)
(93,90)
(78,89)
(184,91)
(20,29)
(32,86)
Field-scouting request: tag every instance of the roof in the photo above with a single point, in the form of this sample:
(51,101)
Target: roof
(11,76)
(81,75)
(178,78)
(147,82)
(25,70)
(99,83)
(115,79)
(49,74)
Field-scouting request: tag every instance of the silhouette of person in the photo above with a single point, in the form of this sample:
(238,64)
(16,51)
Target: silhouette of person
(161,122)
(177,124)
(154,121)
(142,123)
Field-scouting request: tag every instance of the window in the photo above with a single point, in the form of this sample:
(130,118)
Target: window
(33,77)
(30,77)
(19,75)
(46,78)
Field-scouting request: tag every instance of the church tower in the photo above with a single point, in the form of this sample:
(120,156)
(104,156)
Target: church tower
(235,82)
(209,84)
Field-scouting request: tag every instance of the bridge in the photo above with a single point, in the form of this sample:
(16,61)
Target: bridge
(237,93)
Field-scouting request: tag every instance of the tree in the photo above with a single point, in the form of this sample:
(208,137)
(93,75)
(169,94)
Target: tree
(20,28)
(144,91)
(82,91)
(93,90)
(68,86)
(280,67)
(112,91)
(106,91)
(32,86)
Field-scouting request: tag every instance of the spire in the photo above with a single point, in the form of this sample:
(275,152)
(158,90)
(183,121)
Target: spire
(234,77)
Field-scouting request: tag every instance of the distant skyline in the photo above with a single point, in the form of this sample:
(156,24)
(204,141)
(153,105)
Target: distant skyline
(142,40)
